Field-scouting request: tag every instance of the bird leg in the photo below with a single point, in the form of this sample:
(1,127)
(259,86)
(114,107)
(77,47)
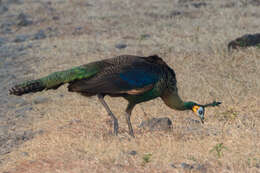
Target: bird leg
(101,99)
(128,114)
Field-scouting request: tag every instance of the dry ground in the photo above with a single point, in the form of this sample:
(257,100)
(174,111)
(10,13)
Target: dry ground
(71,133)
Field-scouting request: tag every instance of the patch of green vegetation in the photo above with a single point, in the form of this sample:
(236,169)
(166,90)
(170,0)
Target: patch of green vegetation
(230,115)
(192,158)
(143,37)
(219,149)
(147,158)
(253,162)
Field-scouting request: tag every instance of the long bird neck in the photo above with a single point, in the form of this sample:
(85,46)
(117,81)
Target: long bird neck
(173,100)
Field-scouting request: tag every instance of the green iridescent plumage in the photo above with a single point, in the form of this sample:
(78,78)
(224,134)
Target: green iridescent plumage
(137,79)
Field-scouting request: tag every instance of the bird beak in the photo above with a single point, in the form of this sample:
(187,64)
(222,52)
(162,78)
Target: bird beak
(202,119)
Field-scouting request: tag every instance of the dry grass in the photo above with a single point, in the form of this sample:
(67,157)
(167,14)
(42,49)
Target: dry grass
(76,130)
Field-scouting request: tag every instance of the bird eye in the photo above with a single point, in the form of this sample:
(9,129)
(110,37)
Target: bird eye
(200,111)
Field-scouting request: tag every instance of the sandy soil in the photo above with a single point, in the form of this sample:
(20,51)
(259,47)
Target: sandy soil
(58,131)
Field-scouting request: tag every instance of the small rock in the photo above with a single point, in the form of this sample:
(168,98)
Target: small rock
(78,30)
(7,31)
(201,168)
(157,124)
(21,48)
(228,5)
(15,2)
(186,166)
(22,112)
(175,13)
(20,102)
(24,136)
(6,27)
(21,38)
(173,166)
(228,167)
(74,121)
(39,132)
(145,36)
(121,46)
(30,45)
(88,4)
(133,152)
(199,4)
(40,35)
(52,32)
(3,131)
(25,153)
(40,99)
(56,18)
(3,9)
(2,41)
(23,20)
(255,2)
(191,120)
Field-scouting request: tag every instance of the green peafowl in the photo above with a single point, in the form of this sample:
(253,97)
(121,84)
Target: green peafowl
(137,79)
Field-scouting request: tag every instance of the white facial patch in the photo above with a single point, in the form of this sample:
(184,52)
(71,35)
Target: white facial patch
(200,111)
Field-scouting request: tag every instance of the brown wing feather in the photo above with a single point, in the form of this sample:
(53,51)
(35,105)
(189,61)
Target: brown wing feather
(108,80)
(140,90)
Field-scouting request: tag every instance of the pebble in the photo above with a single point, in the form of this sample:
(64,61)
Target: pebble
(6,27)
(2,41)
(15,2)
(175,13)
(3,9)
(201,168)
(157,124)
(199,4)
(40,99)
(133,152)
(40,35)
(173,166)
(121,46)
(21,38)
(186,166)
(23,20)
(22,112)
(56,18)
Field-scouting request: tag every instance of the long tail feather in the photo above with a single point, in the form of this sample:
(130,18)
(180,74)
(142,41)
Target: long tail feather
(55,80)
(27,87)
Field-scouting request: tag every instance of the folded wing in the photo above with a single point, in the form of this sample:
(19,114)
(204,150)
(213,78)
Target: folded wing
(133,78)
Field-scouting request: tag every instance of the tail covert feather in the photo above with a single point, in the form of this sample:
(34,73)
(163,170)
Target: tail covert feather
(27,87)
(56,79)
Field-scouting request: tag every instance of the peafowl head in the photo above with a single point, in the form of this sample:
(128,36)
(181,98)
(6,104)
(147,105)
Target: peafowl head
(200,109)
(173,100)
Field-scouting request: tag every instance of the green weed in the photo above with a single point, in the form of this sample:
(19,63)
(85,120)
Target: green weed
(147,158)
(219,149)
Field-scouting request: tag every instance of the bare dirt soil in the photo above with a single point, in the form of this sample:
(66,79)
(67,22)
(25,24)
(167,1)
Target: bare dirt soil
(58,131)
